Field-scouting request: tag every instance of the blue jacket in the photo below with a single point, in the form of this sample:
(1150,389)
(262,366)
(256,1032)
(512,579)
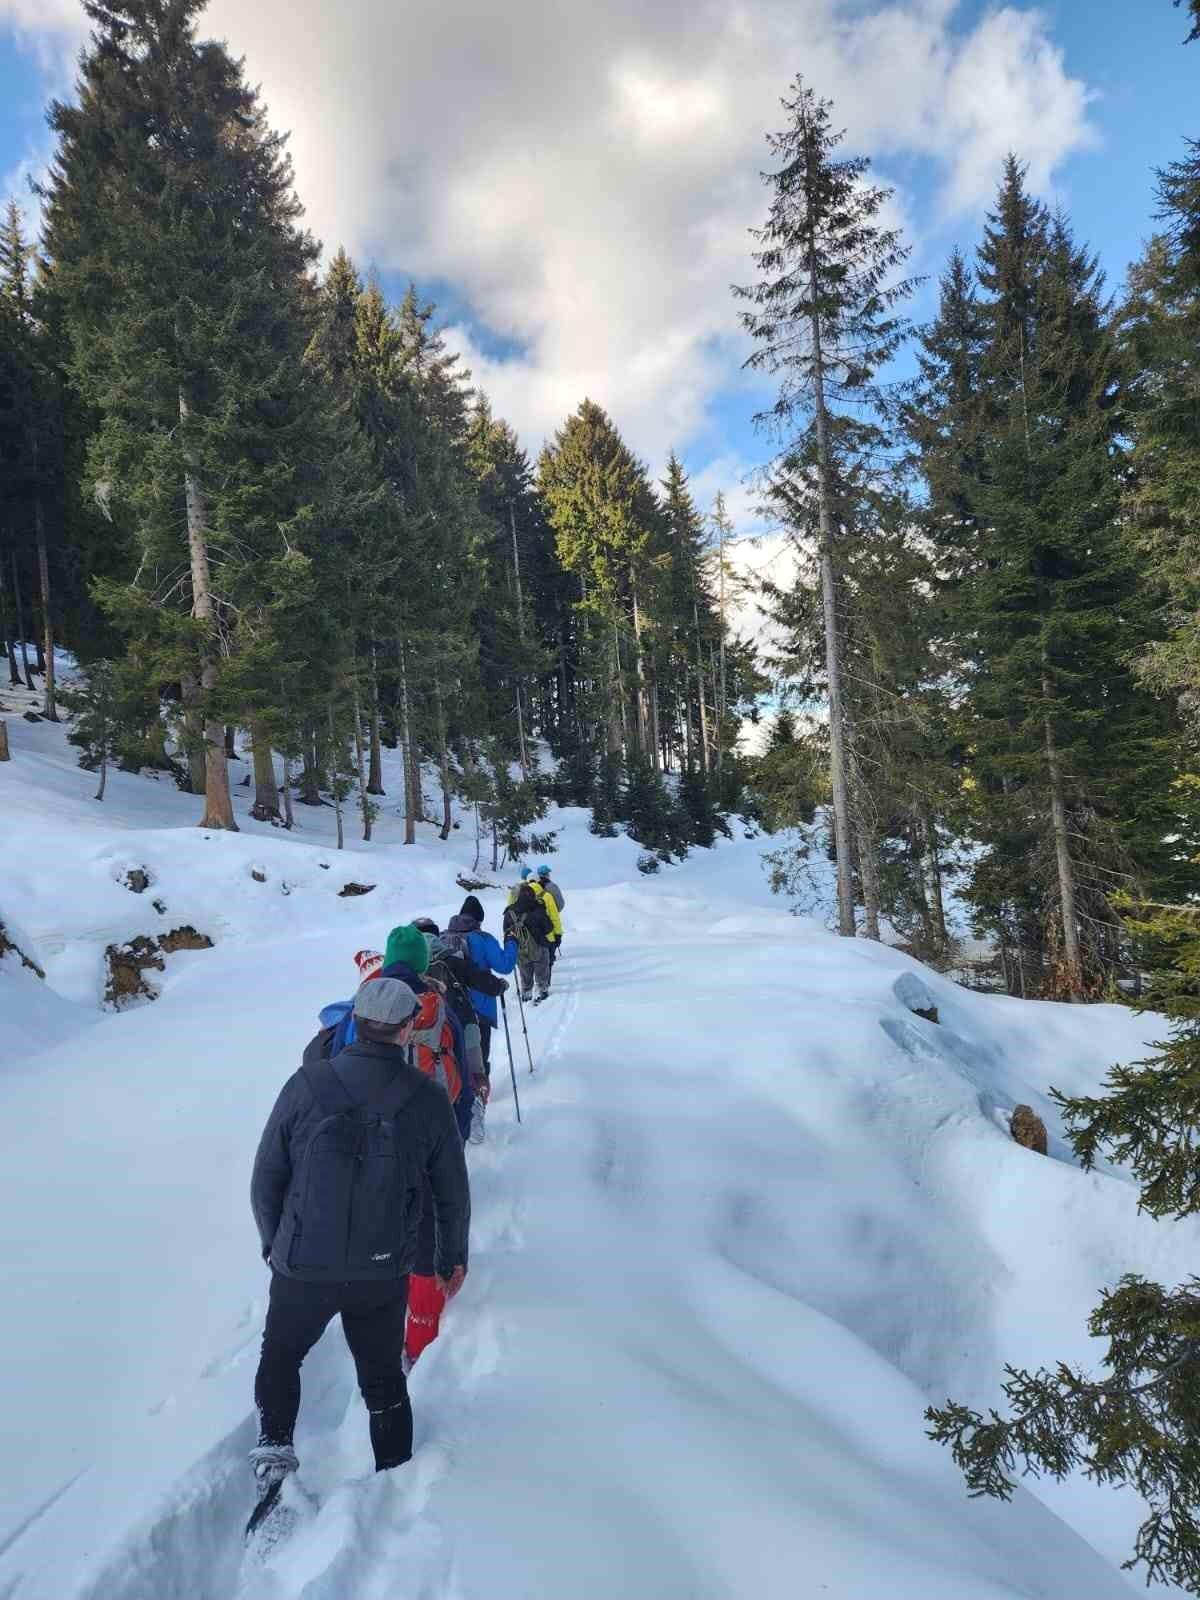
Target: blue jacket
(484,951)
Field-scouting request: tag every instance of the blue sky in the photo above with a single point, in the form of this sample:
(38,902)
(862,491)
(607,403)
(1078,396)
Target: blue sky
(576,199)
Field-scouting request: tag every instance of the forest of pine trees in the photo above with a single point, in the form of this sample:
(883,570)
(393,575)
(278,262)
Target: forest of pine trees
(272,519)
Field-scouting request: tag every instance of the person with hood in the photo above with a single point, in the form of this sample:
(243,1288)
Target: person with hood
(548,886)
(465,933)
(528,918)
(465,985)
(340,1233)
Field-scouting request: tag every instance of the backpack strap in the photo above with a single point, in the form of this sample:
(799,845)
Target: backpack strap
(327,1088)
(396,1096)
(333,1097)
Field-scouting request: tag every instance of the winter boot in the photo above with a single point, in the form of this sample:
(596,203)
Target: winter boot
(271,1465)
(478,1132)
(391,1435)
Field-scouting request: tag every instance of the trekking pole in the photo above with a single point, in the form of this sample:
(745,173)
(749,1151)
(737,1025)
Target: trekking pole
(528,1051)
(512,1071)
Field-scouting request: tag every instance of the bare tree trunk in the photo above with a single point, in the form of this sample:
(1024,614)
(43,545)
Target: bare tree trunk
(4,755)
(16,578)
(375,778)
(266,792)
(1062,852)
(933,879)
(616,701)
(721,696)
(412,787)
(310,776)
(360,767)
(516,555)
(50,710)
(829,602)
(289,816)
(218,802)
(444,759)
(700,689)
(193,733)
(231,753)
(6,633)
(639,668)
(868,868)
(336,781)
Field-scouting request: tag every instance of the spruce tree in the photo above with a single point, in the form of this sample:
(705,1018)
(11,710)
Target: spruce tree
(1139,1424)
(173,235)
(824,314)
(1075,762)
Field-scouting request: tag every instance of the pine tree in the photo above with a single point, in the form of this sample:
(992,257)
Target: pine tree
(1161,329)
(1138,1426)
(172,233)
(824,314)
(1068,750)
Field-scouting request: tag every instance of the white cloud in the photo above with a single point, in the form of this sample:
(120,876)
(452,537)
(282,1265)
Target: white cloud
(585,176)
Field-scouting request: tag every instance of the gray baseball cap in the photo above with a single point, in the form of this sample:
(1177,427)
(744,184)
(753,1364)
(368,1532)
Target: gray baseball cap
(385,1000)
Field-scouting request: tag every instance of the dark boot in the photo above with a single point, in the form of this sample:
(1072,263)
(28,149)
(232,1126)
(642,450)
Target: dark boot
(391,1435)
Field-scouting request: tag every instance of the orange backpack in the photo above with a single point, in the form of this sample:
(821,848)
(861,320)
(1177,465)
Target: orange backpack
(433,1045)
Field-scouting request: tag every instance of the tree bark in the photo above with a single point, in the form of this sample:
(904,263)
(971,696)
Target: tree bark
(829,600)
(335,766)
(520,596)
(289,816)
(616,701)
(16,578)
(4,755)
(310,776)
(375,778)
(1062,852)
(360,767)
(639,670)
(868,869)
(443,758)
(700,688)
(933,878)
(412,787)
(193,733)
(6,633)
(721,696)
(218,802)
(50,709)
(266,791)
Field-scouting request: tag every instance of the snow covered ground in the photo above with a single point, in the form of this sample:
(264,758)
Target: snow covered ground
(757,1215)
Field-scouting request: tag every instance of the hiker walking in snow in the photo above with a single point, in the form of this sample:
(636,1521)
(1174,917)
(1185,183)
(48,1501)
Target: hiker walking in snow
(340,1232)
(462,982)
(529,920)
(548,886)
(465,932)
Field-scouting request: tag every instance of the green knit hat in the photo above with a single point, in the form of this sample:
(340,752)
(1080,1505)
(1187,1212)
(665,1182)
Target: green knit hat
(407,943)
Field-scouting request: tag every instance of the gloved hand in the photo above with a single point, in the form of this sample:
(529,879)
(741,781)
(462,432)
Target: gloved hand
(451,1285)
(266,1252)
(503,982)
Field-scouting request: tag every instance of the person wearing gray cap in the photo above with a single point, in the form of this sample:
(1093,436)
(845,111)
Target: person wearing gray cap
(336,1194)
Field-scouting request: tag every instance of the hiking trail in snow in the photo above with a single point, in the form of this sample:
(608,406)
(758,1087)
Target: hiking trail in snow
(758,1215)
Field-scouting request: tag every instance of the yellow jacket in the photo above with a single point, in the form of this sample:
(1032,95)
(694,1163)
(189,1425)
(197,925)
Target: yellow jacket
(548,906)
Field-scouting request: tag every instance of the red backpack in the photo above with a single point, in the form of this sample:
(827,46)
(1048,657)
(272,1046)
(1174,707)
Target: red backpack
(433,1045)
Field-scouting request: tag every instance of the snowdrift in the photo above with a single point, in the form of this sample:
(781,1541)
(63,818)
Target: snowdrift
(758,1214)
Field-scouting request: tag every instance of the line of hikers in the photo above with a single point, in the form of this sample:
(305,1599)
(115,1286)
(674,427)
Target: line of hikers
(360,1188)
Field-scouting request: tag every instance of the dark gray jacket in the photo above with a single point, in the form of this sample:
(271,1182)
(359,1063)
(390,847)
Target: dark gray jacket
(426,1120)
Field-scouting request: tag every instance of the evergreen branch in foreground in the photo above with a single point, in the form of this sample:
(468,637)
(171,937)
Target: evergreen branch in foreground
(1139,1428)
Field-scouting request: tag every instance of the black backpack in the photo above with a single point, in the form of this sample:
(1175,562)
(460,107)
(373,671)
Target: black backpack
(357,1195)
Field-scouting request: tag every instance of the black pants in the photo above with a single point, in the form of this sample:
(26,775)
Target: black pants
(485,1045)
(373,1322)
